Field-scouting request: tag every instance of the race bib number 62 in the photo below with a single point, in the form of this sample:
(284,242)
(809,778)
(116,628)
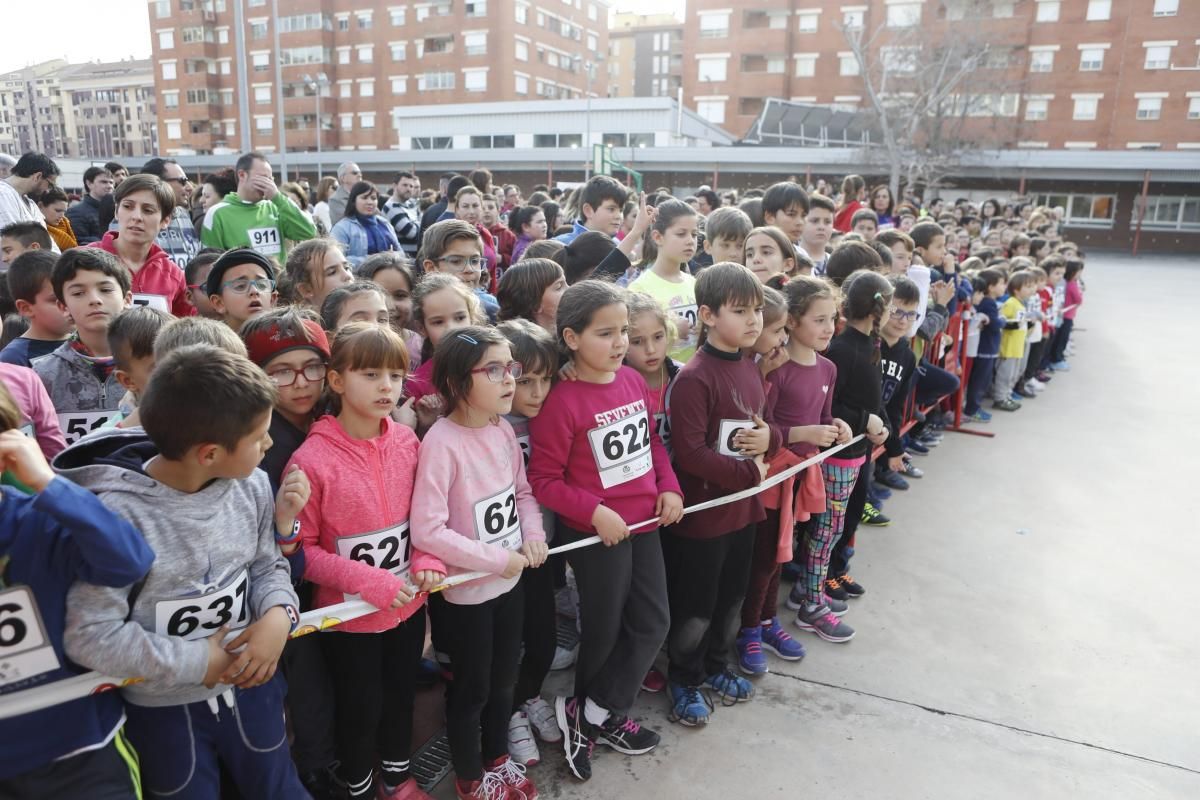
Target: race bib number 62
(497,521)
(622,449)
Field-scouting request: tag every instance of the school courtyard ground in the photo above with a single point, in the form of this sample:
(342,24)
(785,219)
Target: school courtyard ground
(1030,624)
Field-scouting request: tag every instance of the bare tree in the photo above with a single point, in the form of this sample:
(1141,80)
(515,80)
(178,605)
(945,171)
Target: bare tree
(929,83)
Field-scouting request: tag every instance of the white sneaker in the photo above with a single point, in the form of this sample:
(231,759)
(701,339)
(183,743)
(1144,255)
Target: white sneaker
(542,719)
(521,746)
(564,657)
(1037,385)
(566,599)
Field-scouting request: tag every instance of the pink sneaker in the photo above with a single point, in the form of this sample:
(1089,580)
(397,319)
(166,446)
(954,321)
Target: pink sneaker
(513,775)
(654,682)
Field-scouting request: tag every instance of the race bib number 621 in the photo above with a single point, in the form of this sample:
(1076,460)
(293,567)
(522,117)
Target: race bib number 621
(622,449)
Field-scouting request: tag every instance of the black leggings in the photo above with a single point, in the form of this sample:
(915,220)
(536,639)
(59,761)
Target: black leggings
(540,632)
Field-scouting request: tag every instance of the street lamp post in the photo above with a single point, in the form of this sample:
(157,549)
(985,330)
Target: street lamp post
(316,84)
(590,66)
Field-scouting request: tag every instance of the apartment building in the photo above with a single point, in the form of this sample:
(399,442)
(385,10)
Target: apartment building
(1076,74)
(645,55)
(365,58)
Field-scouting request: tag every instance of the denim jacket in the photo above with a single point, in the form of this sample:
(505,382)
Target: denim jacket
(353,237)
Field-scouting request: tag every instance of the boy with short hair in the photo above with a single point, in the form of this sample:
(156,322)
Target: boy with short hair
(991,283)
(818,229)
(602,203)
(865,223)
(503,238)
(18,237)
(454,246)
(241,285)
(725,233)
(898,364)
(785,205)
(93,287)
(131,339)
(929,244)
(901,246)
(195,275)
(218,570)
(29,284)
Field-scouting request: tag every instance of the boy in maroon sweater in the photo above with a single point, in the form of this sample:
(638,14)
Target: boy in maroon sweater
(720,445)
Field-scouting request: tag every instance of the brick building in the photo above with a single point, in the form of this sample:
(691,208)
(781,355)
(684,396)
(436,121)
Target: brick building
(1084,74)
(645,55)
(367,57)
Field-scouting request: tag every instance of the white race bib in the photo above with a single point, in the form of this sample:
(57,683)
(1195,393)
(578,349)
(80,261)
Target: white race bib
(156,301)
(691,313)
(25,650)
(496,520)
(27,429)
(662,426)
(622,449)
(726,432)
(77,424)
(389,549)
(200,617)
(526,450)
(265,240)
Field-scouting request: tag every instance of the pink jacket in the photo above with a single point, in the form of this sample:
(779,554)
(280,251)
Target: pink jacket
(354,527)
(34,403)
(160,280)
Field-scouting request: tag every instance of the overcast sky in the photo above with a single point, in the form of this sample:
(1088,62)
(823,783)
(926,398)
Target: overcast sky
(110,30)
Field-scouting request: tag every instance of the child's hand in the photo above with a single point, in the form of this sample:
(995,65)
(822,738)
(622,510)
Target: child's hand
(403,596)
(896,463)
(263,642)
(763,469)
(20,455)
(516,563)
(567,372)
(535,553)
(879,437)
(753,441)
(772,361)
(821,435)
(844,432)
(293,494)
(427,579)
(669,508)
(218,659)
(985,320)
(429,408)
(683,328)
(609,526)
(405,414)
(644,219)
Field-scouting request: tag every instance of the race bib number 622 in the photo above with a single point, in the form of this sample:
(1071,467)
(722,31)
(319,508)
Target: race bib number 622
(622,449)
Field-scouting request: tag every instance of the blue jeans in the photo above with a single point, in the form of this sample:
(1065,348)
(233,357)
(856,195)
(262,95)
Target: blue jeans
(981,378)
(934,383)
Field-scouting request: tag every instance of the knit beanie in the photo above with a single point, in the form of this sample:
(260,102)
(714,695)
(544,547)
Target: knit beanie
(265,344)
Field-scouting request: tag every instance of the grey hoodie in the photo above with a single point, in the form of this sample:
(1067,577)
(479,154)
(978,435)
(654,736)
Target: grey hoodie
(82,400)
(216,562)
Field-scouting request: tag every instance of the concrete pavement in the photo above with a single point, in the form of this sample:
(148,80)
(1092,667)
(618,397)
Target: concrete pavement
(1029,628)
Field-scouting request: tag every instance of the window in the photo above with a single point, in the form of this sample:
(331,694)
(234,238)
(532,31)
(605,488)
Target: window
(262,94)
(476,8)
(166,40)
(711,110)
(399,51)
(807,22)
(1041,61)
(714,26)
(522,84)
(346,121)
(1171,213)
(1166,8)
(899,59)
(343,55)
(1085,108)
(366,53)
(1158,56)
(522,14)
(343,23)
(903,15)
(521,50)
(364,21)
(1149,107)
(345,89)
(433,81)
(852,19)
(806,65)
(261,61)
(396,16)
(264,123)
(1035,108)
(593,14)
(490,142)
(1091,59)
(432,142)
(1047,10)
(592,43)
(366,120)
(305,22)
(1099,10)
(400,85)
(475,44)
(226,97)
(475,80)
(174,130)
(168,70)
(847,64)
(712,69)
(162,8)
(776,65)
(366,88)
(223,36)
(304,55)
(170,100)
(1193,108)
(224,65)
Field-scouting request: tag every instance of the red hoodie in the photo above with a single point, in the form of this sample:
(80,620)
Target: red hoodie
(355,524)
(159,283)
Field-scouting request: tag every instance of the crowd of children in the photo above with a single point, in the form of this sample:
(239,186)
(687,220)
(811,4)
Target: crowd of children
(193,458)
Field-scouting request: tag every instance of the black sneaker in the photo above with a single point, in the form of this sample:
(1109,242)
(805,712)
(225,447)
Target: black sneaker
(852,588)
(833,588)
(578,734)
(626,736)
(874,517)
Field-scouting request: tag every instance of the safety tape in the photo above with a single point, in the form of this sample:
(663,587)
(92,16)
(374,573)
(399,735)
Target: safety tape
(320,619)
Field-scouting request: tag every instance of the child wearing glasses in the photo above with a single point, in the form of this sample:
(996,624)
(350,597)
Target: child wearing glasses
(454,246)
(897,362)
(473,508)
(241,285)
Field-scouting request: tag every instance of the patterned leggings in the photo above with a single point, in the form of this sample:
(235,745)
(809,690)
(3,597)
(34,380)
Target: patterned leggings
(839,482)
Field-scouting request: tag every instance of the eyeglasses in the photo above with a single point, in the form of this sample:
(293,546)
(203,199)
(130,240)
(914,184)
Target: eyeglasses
(904,316)
(287,376)
(496,372)
(462,263)
(244,285)
(185,180)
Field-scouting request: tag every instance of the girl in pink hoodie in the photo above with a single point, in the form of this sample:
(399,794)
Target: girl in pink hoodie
(355,531)
(473,508)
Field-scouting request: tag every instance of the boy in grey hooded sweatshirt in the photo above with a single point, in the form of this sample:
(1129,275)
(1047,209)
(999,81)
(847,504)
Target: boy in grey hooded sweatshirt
(189,481)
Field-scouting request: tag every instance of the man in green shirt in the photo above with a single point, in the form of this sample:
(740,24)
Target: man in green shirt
(257,215)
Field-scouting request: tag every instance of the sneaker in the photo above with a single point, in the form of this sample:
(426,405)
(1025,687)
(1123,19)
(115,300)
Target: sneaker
(1008,404)
(626,736)
(791,572)
(1043,376)
(881,492)
(521,744)
(874,517)
(564,657)
(1036,385)
(751,658)
(654,682)
(833,588)
(836,607)
(541,719)
(689,705)
(915,447)
(824,624)
(492,787)
(795,598)
(731,688)
(578,741)
(891,479)
(852,587)
(1061,366)
(514,777)
(566,599)
(409,790)
(780,642)
(913,471)
(1023,391)
(979,416)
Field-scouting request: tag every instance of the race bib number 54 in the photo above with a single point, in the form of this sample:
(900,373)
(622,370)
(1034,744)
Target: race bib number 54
(622,449)
(200,617)
(25,650)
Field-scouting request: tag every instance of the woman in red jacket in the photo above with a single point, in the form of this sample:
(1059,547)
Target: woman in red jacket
(854,189)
